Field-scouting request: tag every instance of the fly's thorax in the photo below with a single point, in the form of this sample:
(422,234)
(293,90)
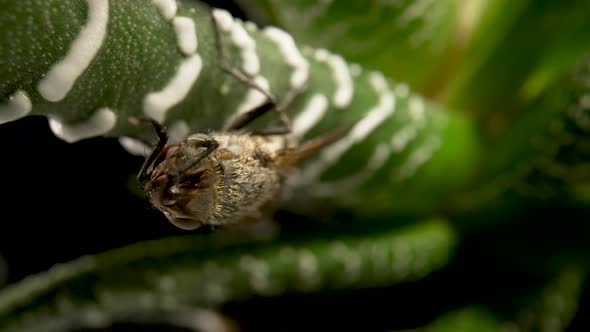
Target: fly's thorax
(251,178)
(246,144)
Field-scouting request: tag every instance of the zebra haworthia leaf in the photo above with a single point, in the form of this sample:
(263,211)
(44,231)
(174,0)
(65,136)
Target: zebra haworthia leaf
(408,40)
(151,280)
(90,65)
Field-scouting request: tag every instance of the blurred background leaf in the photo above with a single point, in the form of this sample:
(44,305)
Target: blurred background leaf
(410,41)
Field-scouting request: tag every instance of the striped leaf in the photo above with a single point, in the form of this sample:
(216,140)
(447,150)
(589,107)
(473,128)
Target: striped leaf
(483,57)
(551,309)
(411,41)
(90,65)
(157,281)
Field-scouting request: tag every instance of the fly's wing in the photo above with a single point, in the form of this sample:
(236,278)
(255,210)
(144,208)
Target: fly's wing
(292,156)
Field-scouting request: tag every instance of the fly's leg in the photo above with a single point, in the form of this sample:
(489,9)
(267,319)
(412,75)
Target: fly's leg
(248,117)
(209,144)
(227,67)
(280,130)
(251,115)
(144,172)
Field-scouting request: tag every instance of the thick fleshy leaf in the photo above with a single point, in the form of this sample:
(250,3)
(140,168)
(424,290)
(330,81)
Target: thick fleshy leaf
(91,67)
(556,305)
(546,150)
(518,49)
(552,309)
(410,41)
(477,56)
(156,280)
(464,320)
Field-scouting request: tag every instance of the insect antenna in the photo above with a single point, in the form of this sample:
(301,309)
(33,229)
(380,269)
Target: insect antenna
(146,168)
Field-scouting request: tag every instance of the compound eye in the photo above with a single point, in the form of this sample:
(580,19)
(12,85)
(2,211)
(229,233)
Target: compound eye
(157,191)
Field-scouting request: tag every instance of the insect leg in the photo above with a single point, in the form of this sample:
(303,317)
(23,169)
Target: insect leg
(281,130)
(270,131)
(210,145)
(271,103)
(144,172)
(246,118)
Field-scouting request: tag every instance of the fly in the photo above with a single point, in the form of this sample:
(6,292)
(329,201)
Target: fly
(228,176)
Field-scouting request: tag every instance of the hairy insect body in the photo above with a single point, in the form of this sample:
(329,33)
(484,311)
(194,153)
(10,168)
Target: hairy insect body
(251,178)
(193,186)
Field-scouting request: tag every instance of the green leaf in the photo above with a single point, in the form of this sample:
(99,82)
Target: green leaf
(545,151)
(400,141)
(554,308)
(411,41)
(519,48)
(582,192)
(464,320)
(156,279)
